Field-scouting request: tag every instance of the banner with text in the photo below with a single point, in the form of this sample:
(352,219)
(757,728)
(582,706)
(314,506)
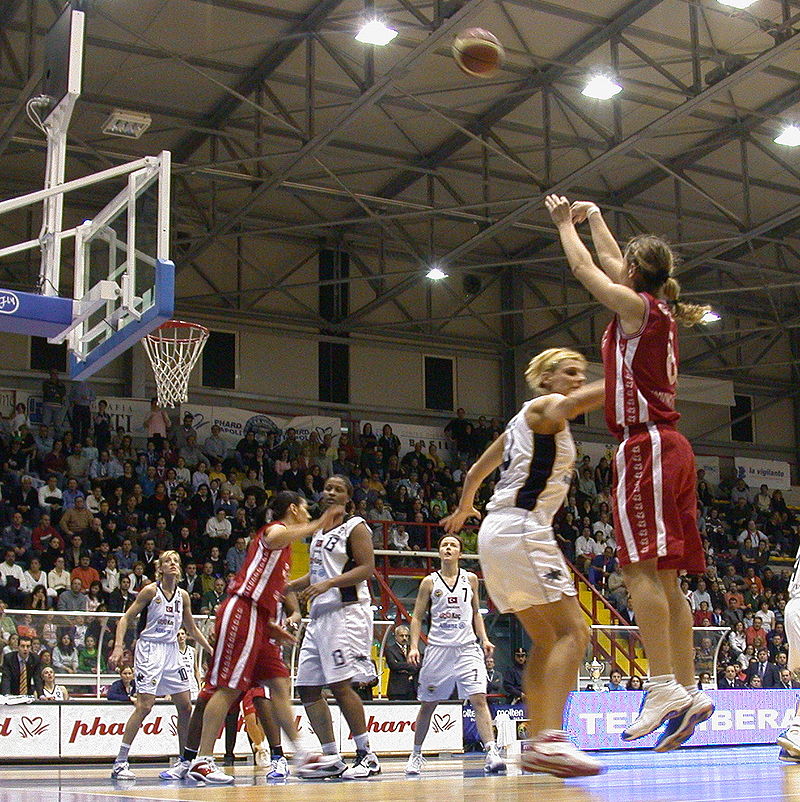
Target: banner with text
(236,423)
(596,719)
(776,475)
(410,433)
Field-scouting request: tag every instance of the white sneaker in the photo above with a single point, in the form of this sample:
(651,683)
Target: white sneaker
(552,752)
(787,757)
(205,770)
(177,771)
(319,766)
(662,701)
(416,762)
(681,728)
(789,740)
(366,765)
(494,762)
(278,769)
(122,771)
(261,758)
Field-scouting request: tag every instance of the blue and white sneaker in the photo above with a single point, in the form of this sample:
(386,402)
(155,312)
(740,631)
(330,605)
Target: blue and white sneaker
(786,757)
(177,771)
(681,728)
(789,740)
(662,702)
(279,769)
(122,771)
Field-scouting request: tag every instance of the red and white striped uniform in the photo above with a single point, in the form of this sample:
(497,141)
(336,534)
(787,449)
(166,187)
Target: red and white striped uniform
(244,654)
(653,493)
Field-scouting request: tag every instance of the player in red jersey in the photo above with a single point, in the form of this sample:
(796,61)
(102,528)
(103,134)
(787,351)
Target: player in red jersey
(244,654)
(653,492)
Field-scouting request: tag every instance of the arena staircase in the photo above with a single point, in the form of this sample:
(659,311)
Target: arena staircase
(621,649)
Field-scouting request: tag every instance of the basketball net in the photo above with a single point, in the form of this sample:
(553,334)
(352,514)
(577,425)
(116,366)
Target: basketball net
(173,349)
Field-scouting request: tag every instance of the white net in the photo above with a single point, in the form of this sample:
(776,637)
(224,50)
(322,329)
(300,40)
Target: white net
(173,350)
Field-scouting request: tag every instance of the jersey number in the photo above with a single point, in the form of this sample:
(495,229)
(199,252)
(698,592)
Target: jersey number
(465,594)
(331,544)
(338,658)
(182,673)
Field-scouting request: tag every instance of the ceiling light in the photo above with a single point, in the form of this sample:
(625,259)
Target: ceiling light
(710,317)
(436,274)
(601,87)
(736,3)
(790,136)
(128,124)
(376,33)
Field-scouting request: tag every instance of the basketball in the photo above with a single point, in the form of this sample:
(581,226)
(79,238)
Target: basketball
(478,52)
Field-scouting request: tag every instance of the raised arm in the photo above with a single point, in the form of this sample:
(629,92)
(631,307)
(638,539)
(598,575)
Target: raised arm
(282,535)
(553,409)
(489,461)
(627,303)
(608,253)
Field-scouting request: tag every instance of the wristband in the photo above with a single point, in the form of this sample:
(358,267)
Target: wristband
(592,209)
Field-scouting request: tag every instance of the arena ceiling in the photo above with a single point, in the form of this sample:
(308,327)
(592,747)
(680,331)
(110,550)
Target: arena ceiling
(288,135)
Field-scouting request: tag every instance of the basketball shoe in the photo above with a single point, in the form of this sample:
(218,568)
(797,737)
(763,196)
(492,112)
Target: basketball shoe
(177,771)
(122,771)
(662,701)
(261,758)
(494,762)
(320,767)
(788,757)
(416,762)
(789,740)
(278,768)
(205,770)
(366,764)
(681,728)
(552,752)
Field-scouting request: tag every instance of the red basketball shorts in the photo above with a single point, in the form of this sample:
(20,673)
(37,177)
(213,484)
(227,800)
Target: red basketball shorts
(654,500)
(244,656)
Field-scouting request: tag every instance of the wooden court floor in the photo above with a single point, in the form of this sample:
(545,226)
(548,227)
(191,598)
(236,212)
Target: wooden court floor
(734,774)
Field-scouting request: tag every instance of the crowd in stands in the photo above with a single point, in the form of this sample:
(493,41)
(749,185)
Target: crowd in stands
(84,515)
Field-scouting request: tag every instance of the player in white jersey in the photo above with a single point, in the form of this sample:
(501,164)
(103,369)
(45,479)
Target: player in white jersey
(337,644)
(789,739)
(164,608)
(188,657)
(523,568)
(454,657)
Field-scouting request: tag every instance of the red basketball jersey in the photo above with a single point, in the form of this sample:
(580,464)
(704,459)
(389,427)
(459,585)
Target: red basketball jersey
(262,577)
(641,369)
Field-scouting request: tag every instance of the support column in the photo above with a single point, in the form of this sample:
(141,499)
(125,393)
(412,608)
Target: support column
(794,343)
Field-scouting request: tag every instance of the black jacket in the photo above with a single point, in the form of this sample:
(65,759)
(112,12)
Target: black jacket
(10,682)
(402,675)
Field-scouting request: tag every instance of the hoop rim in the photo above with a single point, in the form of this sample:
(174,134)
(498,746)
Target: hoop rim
(180,324)
(194,330)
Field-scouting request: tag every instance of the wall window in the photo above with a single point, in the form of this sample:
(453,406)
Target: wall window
(742,430)
(45,356)
(439,383)
(334,372)
(219,360)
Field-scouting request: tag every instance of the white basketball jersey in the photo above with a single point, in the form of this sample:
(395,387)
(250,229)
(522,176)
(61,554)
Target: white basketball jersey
(330,557)
(536,471)
(162,618)
(451,611)
(794,583)
(187,660)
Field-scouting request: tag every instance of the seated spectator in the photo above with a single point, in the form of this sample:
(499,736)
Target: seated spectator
(7,625)
(65,655)
(766,672)
(586,549)
(739,491)
(126,556)
(138,577)
(88,657)
(110,575)
(51,499)
(73,599)
(192,585)
(120,599)
(634,683)
(602,566)
(512,679)
(213,599)
(785,680)
(234,559)
(11,579)
(13,681)
(77,520)
(85,573)
(615,681)
(218,528)
(95,597)
(124,688)
(49,691)
(17,536)
(702,616)
(42,534)
(59,578)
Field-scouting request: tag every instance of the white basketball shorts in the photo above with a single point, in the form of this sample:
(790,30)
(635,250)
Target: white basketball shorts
(522,564)
(337,646)
(791,623)
(447,667)
(158,668)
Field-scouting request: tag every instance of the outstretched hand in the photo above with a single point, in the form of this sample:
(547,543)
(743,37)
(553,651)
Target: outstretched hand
(559,208)
(454,523)
(580,210)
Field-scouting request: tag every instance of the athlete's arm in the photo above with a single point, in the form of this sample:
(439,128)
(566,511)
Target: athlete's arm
(143,598)
(627,303)
(487,463)
(609,255)
(477,619)
(300,583)
(277,537)
(364,558)
(415,630)
(189,625)
(554,408)
(291,606)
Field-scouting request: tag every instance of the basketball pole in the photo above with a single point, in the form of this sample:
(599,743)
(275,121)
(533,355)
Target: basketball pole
(56,126)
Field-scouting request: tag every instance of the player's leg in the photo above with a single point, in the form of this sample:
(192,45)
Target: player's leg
(270,753)
(789,739)
(366,763)
(183,704)
(192,743)
(559,638)
(142,707)
(203,768)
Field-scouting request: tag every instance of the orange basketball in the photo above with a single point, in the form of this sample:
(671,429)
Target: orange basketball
(478,52)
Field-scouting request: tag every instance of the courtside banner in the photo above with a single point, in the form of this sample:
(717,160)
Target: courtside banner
(28,731)
(756,472)
(595,720)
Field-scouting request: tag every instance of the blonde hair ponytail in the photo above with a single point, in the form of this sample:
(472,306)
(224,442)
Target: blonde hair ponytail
(547,362)
(686,314)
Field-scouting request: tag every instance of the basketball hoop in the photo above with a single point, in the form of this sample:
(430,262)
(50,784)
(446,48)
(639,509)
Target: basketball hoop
(173,349)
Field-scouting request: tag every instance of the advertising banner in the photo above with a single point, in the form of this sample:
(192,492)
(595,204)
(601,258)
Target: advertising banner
(595,450)
(596,719)
(410,433)
(756,472)
(28,731)
(514,712)
(236,423)
(127,412)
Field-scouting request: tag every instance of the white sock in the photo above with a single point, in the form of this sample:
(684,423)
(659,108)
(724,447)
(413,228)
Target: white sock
(362,742)
(692,690)
(122,755)
(489,745)
(330,749)
(417,749)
